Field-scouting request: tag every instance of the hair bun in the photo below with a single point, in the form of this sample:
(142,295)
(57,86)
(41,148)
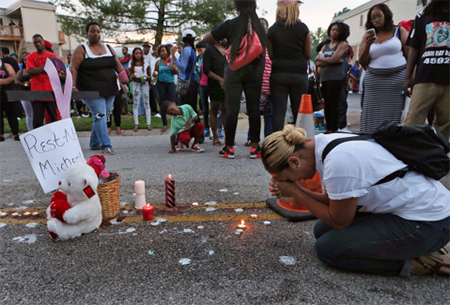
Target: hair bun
(294,135)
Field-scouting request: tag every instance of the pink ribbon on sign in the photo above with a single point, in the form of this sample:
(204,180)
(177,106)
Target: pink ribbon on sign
(62,98)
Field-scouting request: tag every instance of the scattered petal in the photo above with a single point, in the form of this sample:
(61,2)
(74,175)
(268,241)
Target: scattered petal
(129,230)
(29,239)
(22,208)
(28,201)
(150,252)
(239,231)
(123,203)
(125,211)
(306,233)
(287,260)
(2,225)
(223,190)
(162,231)
(161,220)
(200,227)
(185,261)
(155,223)
(195,204)
(188,231)
(10,204)
(210,203)
(267,223)
(114,221)
(7,180)
(211,252)
(210,209)
(236,193)
(31,225)
(239,210)
(134,234)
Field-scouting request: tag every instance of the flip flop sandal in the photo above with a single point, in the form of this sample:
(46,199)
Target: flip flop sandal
(218,143)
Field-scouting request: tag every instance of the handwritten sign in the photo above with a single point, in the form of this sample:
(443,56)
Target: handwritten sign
(51,149)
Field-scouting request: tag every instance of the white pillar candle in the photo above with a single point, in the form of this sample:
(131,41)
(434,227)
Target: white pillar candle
(139,187)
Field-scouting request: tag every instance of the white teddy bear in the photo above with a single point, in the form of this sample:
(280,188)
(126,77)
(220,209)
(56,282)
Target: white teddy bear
(75,209)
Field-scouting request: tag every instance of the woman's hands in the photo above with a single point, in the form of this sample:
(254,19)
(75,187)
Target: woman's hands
(369,39)
(283,188)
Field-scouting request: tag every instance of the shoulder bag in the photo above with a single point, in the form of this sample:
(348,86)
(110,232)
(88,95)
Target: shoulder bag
(243,57)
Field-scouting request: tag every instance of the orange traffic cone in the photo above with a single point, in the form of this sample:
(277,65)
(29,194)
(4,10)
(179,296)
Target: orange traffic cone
(305,120)
(305,117)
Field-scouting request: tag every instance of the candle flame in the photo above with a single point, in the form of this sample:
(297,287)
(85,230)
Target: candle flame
(148,204)
(34,213)
(242,222)
(169,176)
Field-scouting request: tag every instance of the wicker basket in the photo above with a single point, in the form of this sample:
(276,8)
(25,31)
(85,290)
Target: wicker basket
(109,194)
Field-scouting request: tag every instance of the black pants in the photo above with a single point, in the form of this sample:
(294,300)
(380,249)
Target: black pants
(343,106)
(331,93)
(283,85)
(9,109)
(249,79)
(117,111)
(39,108)
(153,99)
(192,97)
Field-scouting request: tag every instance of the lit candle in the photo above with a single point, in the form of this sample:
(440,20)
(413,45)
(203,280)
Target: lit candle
(139,187)
(195,204)
(242,225)
(3,214)
(147,212)
(35,213)
(170,191)
(15,214)
(27,214)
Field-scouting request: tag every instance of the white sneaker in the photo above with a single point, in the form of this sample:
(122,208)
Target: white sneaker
(345,129)
(197,148)
(157,115)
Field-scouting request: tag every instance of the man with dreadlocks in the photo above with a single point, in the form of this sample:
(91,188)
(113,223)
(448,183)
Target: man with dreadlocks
(247,78)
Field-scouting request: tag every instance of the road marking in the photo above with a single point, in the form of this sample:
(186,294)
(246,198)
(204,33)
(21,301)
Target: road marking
(223,212)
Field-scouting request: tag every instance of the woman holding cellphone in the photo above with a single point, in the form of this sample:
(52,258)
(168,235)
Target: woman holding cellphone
(383,54)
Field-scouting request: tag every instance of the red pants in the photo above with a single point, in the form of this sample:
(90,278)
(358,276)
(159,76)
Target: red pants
(195,131)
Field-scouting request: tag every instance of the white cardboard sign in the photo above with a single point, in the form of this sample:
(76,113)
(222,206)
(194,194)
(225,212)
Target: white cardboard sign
(51,149)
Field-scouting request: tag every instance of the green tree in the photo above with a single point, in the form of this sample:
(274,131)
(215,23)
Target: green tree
(160,17)
(344,10)
(317,37)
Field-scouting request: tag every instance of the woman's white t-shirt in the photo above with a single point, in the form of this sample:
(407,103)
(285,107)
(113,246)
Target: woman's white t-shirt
(352,168)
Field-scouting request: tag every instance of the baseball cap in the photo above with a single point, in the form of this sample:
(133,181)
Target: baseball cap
(188,32)
(47,44)
(284,2)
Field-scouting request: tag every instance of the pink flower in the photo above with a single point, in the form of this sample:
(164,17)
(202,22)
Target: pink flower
(104,174)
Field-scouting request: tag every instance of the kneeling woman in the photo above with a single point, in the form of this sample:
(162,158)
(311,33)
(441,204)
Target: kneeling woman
(391,228)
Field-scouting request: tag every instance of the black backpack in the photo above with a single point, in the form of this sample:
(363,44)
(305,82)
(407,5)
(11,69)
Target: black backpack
(420,147)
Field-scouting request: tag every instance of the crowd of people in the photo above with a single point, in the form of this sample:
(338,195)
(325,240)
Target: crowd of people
(388,228)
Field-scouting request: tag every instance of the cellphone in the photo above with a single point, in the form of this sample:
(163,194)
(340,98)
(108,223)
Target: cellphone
(371,32)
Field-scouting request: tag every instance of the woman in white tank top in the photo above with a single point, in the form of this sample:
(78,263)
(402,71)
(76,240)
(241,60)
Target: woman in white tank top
(383,54)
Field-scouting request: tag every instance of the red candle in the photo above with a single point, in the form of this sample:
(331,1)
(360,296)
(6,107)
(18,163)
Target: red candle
(170,191)
(147,212)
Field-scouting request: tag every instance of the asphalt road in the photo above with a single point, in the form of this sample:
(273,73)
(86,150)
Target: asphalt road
(141,263)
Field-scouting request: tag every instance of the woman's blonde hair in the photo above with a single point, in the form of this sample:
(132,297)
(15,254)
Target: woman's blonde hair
(288,13)
(280,145)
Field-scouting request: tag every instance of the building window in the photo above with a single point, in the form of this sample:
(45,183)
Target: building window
(361,20)
(1,21)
